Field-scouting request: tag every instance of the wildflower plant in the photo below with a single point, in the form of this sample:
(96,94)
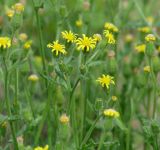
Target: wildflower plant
(79,75)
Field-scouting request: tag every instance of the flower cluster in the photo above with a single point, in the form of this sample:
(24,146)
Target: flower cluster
(111,113)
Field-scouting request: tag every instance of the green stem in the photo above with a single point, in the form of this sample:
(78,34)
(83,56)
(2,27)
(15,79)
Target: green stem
(102,138)
(42,52)
(155,88)
(88,134)
(8,105)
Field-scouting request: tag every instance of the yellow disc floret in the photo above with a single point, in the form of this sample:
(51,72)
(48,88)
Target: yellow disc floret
(105,80)
(57,47)
(69,36)
(150,38)
(111,113)
(5,42)
(85,43)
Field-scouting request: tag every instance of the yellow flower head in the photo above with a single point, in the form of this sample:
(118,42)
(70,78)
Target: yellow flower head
(10,13)
(140,48)
(144,29)
(111,27)
(42,148)
(5,42)
(33,77)
(85,43)
(150,38)
(79,23)
(18,7)
(114,98)
(147,69)
(129,38)
(111,113)
(69,36)
(110,37)
(57,48)
(64,119)
(23,36)
(27,44)
(97,37)
(106,80)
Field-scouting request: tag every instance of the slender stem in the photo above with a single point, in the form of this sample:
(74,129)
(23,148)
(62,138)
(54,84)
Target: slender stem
(8,105)
(88,134)
(102,138)
(41,41)
(155,88)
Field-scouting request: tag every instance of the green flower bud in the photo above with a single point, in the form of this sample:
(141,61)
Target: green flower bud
(83,69)
(16,21)
(38,3)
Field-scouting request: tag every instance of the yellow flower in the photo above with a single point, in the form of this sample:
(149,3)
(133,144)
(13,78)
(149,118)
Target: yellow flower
(69,36)
(23,36)
(85,43)
(5,42)
(18,7)
(150,38)
(114,98)
(110,37)
(33,77)
(111,113)
(79,23)
(57,48)
(111,27)
(10,13)
(129,38)
(42,148)
(147,69)
(97,37)
(106,80)
(27,44)
(144,29)
(64,119)
(140,48)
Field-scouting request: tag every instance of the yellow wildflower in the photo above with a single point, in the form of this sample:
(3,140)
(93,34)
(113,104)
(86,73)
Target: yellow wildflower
(42,148)
(110,37)
(111,27)
(129,38)
(114,98)
(27,44)
(33,77)
(69,36)
(18,7)
(97,37)
(79,23)
(140,48)
(85,43)
(5,42)
(111,113)
(57,48)
(150,38)
(23,36)
(64,119)
(10,13)
(106,80)
(144,29)
(147,69)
